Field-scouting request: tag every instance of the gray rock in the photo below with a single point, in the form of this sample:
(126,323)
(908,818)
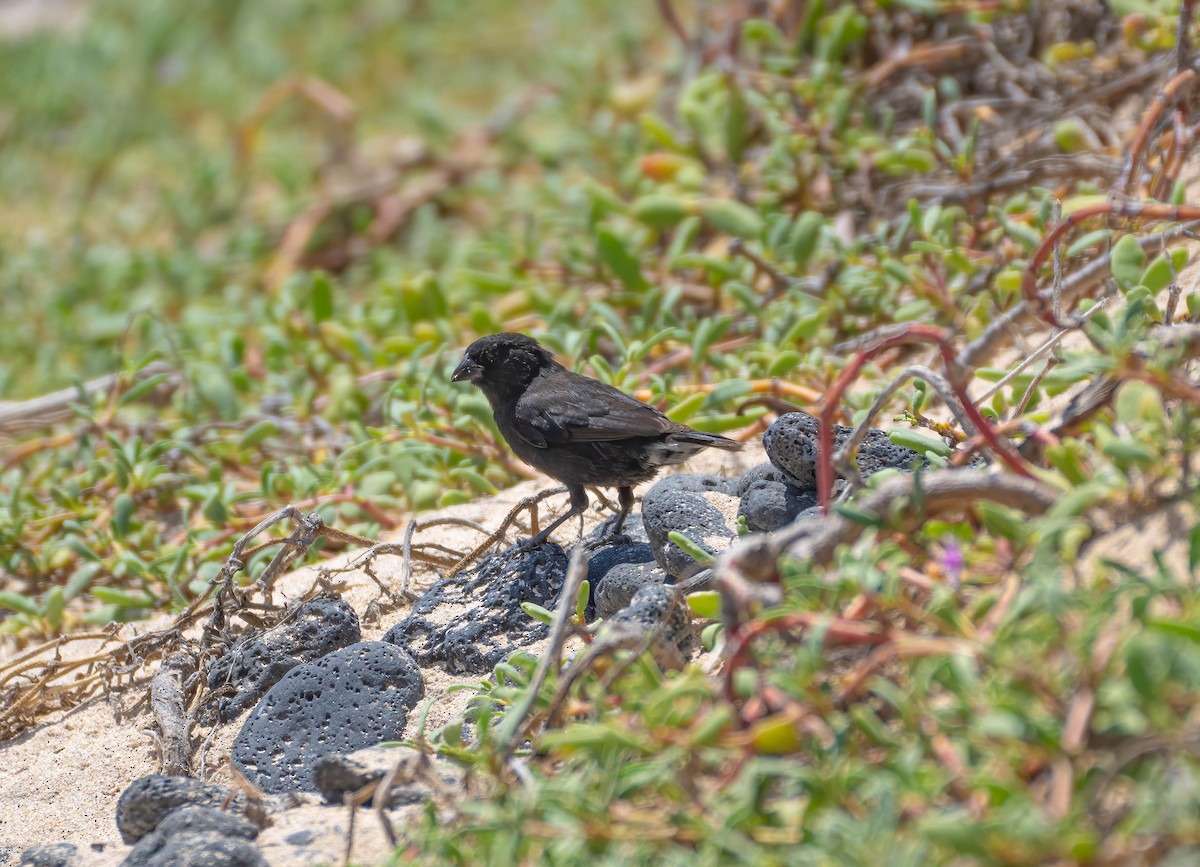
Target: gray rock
(632,532)
(655,611)
(195,836)
(351,698)
(622,582)
(762,473)
(147,800)
(49,855)
(792,444)
(813,512)
(604,560)
(768,505)
(204,850)
(244,675)
(474,620)
(702,508)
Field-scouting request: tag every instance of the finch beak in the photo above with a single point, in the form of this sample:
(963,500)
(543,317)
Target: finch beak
(467,370)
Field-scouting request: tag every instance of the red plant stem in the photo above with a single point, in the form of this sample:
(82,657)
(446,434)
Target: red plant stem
(838,632)
(1129,210)
(912,334)
(1161,100)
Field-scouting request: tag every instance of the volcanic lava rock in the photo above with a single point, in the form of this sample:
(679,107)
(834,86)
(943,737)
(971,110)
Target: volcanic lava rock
(769,505)
(762,473)
(655,612)
(702,508)
(471,621)
(348,699)
(792,444)
(622,582)
(49,855)
(616,571)
(314,629)
(195,836)
(147,800)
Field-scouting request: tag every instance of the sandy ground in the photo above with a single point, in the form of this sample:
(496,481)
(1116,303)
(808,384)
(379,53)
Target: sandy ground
(59,781)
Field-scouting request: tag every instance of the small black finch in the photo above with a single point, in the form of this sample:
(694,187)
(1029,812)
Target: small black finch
(575,429)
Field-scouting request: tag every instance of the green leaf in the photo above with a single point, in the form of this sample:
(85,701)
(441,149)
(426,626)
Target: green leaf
(911,439)
(215,509)
(690,548)
(258,433)
(1176,629)
(123,598)
(1158,274)
(581,599)
(18,602)
(1002,521)
(140,389)
(711,634)
(705,603)
(732,218)
(1138,402)
(859,516)
(724,392)
(123,509)
(616,256)
(53,606)
(322,298)
(661,212)
(80,547)
(80,579)
(537,612)
(1127,261)
(687,407)
(804,236)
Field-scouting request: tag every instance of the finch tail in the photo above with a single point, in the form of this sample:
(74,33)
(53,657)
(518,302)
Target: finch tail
(703,439)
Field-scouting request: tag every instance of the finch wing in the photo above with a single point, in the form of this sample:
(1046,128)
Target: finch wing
(566,408)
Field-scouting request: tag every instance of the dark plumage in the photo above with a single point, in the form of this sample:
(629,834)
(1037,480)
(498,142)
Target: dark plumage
(573,428)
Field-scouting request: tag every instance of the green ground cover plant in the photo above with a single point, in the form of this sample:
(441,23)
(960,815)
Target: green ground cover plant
(278,234)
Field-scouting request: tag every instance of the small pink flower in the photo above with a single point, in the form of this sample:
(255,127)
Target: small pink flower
(953,562)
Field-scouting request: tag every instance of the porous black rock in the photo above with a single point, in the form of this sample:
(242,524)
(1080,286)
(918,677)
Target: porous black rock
(604,560)
(195,836)
(767,472)
(631,534)
(768,505)
(49,855)
(702,508)
(655,611)
(792,444)
(811,513)
(352,698)
(147,800)
(244,675)
(471,621)
(622,582)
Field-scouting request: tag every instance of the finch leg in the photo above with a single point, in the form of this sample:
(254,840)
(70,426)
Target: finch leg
(612,534)
(579,504)
(625,500)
